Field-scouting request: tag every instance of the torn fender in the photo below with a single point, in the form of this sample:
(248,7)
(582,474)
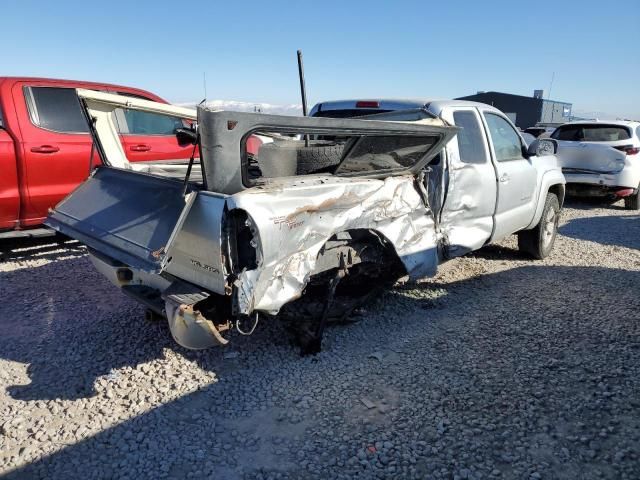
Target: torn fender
(293,228)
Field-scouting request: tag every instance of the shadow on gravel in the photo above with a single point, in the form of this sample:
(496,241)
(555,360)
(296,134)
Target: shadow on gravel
(533,357)
(498,252)
(70,330)
(589,203)
(619,231)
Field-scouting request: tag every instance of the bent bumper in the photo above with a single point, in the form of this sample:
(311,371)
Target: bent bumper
(609,183)
(175,300)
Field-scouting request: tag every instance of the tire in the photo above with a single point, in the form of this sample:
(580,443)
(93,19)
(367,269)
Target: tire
(538,242)
(632,202)
(319,158)
(288,158)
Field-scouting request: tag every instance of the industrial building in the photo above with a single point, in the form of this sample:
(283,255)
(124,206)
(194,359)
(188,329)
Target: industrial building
(525,111)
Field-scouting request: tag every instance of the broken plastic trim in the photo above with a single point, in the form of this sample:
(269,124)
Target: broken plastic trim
(187,308)
(190,328)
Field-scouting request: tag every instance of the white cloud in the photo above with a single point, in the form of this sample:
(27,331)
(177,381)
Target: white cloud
(592,114)
(237,106)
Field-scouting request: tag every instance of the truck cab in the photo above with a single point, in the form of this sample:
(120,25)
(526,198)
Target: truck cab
(503,186)
(46,148)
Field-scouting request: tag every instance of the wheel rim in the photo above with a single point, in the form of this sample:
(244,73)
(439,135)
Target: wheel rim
(550,227)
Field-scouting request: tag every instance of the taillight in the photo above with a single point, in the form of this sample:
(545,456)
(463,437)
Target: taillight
(628,149)
(624,192)
(253,145)
(368,104)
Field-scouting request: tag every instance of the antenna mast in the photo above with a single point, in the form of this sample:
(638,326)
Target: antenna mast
(204,83)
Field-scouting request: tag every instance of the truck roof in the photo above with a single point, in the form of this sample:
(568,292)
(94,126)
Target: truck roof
(71,83)
(434,105)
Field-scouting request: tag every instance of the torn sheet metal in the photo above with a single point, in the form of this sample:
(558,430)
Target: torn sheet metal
(466,219)
(195,240)
(293,229)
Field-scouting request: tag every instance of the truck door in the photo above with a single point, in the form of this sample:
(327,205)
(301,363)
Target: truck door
(516,176)
(466,218)
(149,136)
(9,193)
(55,148)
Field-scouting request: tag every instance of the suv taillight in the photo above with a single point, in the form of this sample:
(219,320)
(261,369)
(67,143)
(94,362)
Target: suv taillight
(628,149)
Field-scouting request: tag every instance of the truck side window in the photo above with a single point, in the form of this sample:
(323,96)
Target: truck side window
(471,143)
(145,123)
(506,142)
(56,109)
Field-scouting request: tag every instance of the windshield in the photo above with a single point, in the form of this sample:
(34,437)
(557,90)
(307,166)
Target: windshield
(381,153)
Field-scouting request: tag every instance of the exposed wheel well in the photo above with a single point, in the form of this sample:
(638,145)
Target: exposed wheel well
(559,191)
(369,264)
(368,246)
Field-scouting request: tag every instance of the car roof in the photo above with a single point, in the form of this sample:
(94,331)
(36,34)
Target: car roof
(623,123)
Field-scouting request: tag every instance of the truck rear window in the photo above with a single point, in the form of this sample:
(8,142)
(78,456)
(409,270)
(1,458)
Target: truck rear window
(270,154)
(348,113)
(592,133)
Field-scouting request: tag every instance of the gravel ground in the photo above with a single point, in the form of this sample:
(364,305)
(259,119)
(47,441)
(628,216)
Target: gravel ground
(499,367)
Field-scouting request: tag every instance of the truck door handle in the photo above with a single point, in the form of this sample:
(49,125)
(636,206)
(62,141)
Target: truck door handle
(45,149)
(504,178)
(140,148)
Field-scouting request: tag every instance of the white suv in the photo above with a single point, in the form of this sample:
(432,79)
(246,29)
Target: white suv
(601,158)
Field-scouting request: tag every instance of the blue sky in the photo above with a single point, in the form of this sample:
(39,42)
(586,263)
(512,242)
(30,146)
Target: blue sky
(351,48)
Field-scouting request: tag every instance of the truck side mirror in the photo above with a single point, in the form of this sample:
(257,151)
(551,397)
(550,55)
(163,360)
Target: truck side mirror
(186,136)
(541,147)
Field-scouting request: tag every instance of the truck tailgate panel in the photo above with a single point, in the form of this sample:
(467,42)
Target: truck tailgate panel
(126,215)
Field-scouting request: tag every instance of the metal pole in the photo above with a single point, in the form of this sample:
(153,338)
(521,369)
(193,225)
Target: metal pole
(303,90)
(553,75)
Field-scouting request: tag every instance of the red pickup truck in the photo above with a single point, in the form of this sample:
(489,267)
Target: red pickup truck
(45,145)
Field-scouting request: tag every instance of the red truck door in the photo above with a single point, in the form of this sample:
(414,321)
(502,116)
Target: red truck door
(55,146)
(9,194)
(148,136)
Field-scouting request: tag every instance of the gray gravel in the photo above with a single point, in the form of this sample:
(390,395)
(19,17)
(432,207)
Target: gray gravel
(500,367)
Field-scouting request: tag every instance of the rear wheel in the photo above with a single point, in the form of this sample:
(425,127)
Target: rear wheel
(538,242)
(632,202)
(352,270)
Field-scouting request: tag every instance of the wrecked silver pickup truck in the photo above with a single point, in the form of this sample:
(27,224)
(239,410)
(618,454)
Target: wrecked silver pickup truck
(303,217)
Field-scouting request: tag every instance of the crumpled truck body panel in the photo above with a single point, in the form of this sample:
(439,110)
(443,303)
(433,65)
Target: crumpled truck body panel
(293,227)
